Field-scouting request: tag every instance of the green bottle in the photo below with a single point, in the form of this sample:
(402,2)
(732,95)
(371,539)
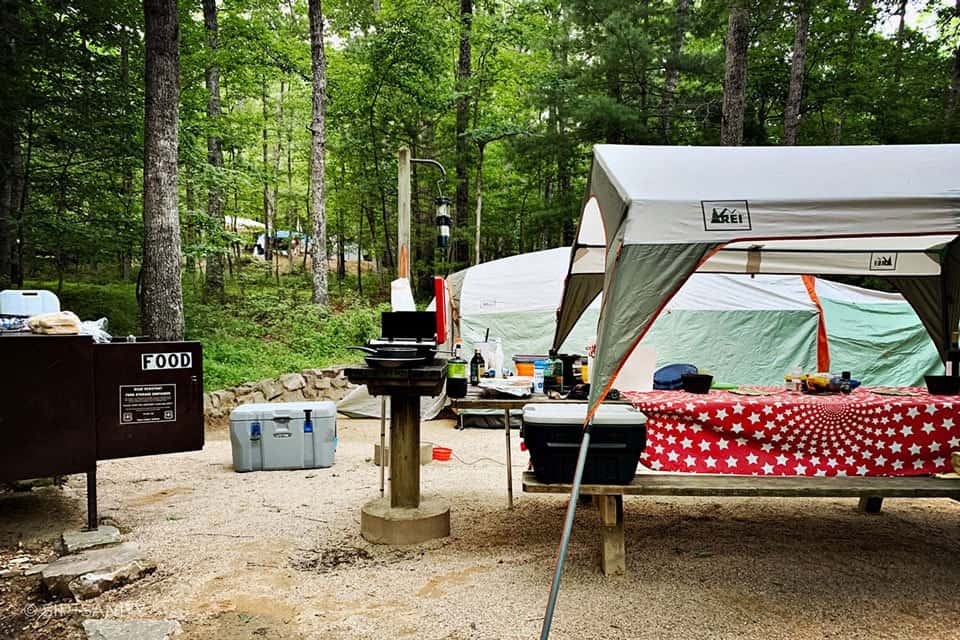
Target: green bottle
(457,374)
(553,374)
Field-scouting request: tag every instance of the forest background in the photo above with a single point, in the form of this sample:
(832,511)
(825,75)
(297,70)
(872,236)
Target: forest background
(509,96)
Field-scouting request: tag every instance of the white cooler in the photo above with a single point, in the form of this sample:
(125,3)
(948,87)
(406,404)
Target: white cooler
(268,436)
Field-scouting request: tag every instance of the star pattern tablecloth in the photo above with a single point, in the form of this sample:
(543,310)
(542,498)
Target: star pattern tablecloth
(793,434)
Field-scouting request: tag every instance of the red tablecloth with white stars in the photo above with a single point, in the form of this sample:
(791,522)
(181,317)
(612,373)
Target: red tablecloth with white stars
(792,434)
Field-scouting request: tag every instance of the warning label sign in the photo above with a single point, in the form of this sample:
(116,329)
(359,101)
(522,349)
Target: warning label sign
(148,403)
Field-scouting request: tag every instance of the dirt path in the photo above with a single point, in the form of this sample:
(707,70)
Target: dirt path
(278,555)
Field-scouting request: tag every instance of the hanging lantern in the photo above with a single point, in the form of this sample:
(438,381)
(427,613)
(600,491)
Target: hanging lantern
(443,221)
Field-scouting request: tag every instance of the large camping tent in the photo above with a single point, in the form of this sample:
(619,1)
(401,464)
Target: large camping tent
(516,299)
(657,214)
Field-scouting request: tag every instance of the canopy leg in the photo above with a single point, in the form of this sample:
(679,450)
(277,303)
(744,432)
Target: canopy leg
(565,539)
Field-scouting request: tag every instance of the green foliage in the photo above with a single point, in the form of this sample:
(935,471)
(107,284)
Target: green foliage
(267,335)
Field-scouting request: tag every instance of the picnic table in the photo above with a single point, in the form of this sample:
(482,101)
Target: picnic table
(609,498)
(870,445)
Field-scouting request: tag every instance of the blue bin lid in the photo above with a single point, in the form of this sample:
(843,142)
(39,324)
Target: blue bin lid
(670,376)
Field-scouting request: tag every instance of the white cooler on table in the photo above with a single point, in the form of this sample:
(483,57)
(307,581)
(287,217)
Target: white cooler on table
(268,436)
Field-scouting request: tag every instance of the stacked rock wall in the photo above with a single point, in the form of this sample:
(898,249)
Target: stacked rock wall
(309,384)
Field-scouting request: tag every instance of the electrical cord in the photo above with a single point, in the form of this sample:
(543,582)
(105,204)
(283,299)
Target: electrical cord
(469,464)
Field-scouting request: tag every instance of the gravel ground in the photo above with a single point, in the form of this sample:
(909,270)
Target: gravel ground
(279,555)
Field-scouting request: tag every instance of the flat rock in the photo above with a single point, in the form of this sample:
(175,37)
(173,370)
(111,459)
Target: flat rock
(89,573)
(292,381)
(293,396)
(270,388)
(130,629)
(74,541)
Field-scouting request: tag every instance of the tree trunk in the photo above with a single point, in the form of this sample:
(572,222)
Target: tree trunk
(161,303)
(267,222)
(954,97)
(462,196)
(213,284)
(318,154)
(292,214)
(360,251)
(275,190)
(127,180)
(901,32)
(476,248)
(791,112)
(735,76)
(8,137)
(190,233)
(19,243)
(8,198)
(341,254)
(672,78)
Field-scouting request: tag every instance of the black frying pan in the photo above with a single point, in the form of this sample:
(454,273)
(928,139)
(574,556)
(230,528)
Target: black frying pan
(380,362)
(389,352)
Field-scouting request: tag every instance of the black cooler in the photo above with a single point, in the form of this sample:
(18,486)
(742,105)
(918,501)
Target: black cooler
(553,432)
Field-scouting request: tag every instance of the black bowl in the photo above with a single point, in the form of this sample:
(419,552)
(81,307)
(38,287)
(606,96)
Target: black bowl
(943,385)
(696,382)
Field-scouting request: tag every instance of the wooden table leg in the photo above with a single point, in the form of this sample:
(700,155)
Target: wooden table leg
(506,431)
(871,504)
(612,548)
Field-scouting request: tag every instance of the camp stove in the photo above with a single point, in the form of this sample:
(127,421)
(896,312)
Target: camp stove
(408,329)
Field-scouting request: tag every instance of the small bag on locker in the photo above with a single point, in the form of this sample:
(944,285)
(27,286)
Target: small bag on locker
(283,435)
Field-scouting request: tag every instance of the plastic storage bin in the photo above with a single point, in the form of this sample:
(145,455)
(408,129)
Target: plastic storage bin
(553,432)
(268,436)
(524,364)
(16,302)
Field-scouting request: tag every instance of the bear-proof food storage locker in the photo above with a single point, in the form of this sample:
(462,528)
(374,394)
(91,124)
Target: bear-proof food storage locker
(283,435)
(67,402)
(552,434)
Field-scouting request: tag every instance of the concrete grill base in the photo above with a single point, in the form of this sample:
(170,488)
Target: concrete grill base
(426,454)
(382,524)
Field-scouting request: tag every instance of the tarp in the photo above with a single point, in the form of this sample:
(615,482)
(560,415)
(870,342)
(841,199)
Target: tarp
(664,212)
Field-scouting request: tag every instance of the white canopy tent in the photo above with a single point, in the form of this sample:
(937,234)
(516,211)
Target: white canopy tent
(657,214)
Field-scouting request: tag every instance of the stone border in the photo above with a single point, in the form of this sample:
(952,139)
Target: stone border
(310,384)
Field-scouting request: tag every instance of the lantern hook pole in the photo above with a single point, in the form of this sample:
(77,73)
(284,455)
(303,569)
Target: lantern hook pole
(433,163)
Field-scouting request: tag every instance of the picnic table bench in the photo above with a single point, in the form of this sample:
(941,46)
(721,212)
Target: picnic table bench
(609,497)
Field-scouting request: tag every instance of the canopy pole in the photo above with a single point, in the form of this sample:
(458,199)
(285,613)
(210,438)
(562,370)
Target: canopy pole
(567,530)
(945,312)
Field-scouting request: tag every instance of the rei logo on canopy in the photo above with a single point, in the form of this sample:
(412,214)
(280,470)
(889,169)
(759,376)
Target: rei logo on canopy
(726,215)
(883,262)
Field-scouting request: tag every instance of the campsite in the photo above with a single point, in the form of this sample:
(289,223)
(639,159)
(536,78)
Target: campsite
(479,320)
